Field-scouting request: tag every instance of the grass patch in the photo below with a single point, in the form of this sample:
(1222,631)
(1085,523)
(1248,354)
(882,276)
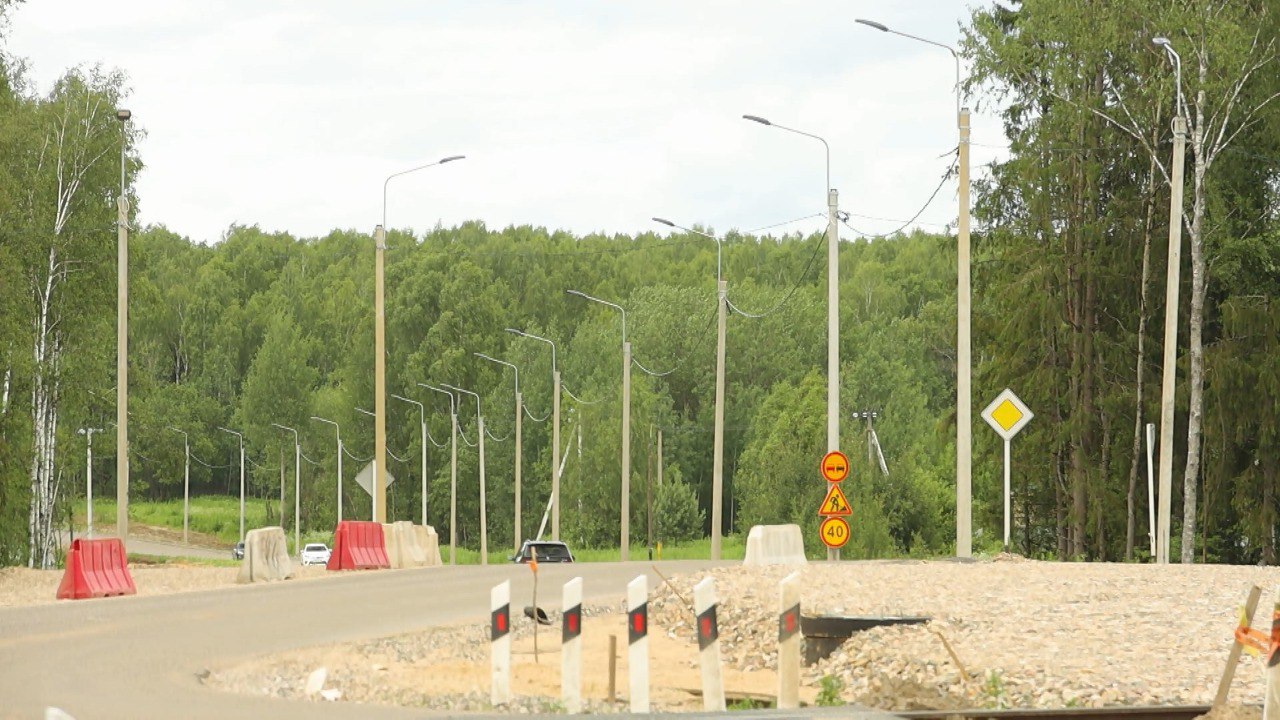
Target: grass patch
(219,516)
(144,559)
(215,515)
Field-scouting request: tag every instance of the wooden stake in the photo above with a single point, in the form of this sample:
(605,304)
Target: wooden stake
(613,668)
(1233,656)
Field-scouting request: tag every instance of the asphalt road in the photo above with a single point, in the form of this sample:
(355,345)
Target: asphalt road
(139,657)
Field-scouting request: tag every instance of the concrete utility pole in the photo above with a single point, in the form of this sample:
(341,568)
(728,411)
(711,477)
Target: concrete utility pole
(379,377)
(625,504)
(484,511)
(338,429)
(380,352)
(240,437)
(717,463)
(422,416)
(186,485)
(833,300)
(1169,372)
(122,340)
(88,479)
(555,434)
(625,533)
(516,500)
(297,486)
(964,297)
(453,471)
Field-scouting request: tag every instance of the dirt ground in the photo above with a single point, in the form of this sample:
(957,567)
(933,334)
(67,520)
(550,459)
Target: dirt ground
(448,669)
(1022,634)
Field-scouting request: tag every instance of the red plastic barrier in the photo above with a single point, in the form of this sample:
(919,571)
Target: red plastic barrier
(96,568)
(358,546)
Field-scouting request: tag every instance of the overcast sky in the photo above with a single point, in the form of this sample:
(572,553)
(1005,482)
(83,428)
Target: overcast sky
(584,115)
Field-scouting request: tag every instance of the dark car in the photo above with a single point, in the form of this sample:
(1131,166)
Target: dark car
(550,551)
(237,552)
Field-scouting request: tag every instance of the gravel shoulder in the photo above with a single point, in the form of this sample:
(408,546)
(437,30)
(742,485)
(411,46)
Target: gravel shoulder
(1028,634)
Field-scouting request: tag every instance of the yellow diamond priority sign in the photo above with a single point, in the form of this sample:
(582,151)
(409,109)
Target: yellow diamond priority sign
(1007,414)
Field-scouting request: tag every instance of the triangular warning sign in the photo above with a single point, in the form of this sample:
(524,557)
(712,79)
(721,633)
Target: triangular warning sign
(835,503)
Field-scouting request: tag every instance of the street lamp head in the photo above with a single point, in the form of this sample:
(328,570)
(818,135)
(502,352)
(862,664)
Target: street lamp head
(1160,41)
(123,114)
(451,158)
(514,331)
(575,292)
(664,221)
(756,118)
(872,24)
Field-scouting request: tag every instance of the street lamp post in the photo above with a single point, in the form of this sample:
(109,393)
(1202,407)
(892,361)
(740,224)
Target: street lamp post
(453,471)
(625,509)
(422,416)
(380,349)
(339,432)
(964,300)
(555,433)
(122,340)
(717,463)
(1169,371)
(833,300)
(297,486)
(484,512)
(239,436)
(186,483)
(88,477)
(519,448)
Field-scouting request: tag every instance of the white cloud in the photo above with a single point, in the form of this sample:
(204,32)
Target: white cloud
(573,114)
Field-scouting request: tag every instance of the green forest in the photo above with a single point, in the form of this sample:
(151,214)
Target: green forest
(1069,262)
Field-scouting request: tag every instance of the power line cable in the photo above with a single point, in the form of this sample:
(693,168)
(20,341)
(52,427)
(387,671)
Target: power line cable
(817,246)
(578,399)
(945,177)
(495,438)
(211,467)
(537,420)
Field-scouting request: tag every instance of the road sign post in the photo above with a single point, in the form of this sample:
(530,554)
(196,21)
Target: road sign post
(834,468)
(1007,415)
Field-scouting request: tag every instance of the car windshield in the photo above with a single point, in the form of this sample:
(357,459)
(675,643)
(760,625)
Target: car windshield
(315,548)
(548,551)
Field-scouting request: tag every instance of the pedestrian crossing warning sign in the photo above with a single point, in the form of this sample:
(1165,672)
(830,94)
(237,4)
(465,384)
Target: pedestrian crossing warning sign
(835,503)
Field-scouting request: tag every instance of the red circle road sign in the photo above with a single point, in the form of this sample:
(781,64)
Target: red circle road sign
(835,466)
(834,532)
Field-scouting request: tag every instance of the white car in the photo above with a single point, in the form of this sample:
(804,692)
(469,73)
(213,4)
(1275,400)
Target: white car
(315,554)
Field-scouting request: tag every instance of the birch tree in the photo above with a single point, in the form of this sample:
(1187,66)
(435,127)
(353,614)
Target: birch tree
(66,206)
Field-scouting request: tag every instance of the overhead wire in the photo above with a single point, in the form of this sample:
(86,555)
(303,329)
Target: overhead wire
(817,246)
(932,196)
(211,467)
(578,399)
(531,417)
(495,438)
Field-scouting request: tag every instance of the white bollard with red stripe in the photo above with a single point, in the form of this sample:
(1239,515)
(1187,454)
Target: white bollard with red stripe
(704,602)
(638,643)
(500,643)
(789,642)
(571,646)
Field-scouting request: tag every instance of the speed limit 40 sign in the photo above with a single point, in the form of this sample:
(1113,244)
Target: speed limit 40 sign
(834,532)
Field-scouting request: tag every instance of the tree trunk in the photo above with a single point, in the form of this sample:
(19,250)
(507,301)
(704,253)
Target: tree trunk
(44,403)
(1195,346)
(1139,375)
(1268,515)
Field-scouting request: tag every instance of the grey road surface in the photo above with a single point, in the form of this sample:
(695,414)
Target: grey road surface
(140,657)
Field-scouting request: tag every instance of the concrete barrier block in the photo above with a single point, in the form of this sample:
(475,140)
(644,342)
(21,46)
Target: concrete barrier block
(775,545)
(266,556)
(429,541)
